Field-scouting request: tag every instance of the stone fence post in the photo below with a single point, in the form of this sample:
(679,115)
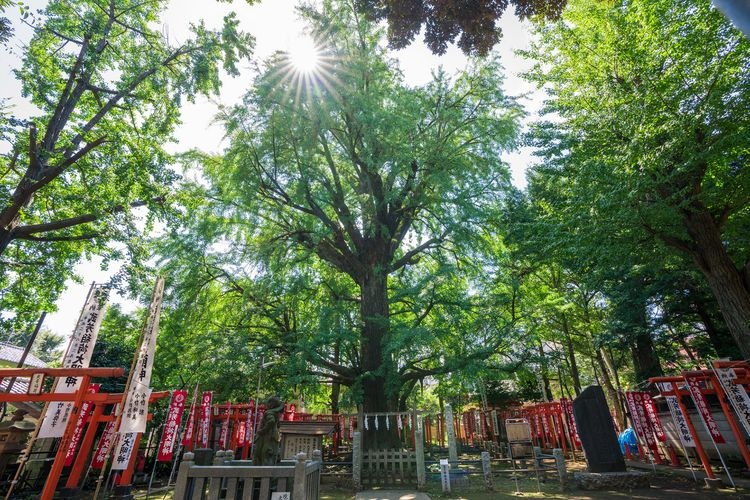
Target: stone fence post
(299,476)
(487,471)
(180,487)
(562,471)
(419,452)
(357,461)
(452,453)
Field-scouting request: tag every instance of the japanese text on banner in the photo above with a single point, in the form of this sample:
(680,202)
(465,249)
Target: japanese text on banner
(136,403)
(171,426)
(78,355)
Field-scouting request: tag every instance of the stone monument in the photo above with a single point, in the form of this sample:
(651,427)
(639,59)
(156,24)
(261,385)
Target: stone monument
(606,465)
(267,439)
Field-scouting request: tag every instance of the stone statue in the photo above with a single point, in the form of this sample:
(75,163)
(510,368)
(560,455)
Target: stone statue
(266,443)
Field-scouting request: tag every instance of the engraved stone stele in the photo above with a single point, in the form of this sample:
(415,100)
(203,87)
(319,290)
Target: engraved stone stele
(597,432)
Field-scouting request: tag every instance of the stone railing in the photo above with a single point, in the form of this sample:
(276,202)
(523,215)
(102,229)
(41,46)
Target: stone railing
(233,481)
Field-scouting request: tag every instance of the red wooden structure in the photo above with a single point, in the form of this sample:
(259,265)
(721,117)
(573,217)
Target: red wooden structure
(99,400)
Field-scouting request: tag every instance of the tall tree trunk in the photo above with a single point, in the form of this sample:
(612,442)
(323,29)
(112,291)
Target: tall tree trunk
(544,377)
(336,386)
(717,331)
(612,394)
(724,279)
(376,364)
(645,361)
(571,356)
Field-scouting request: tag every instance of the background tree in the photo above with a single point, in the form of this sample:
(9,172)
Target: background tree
(474,24)
(367,196)
(652,134)
(107,87)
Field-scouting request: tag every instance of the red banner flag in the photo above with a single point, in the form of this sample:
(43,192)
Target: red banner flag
(83,418)
(694,386)
(171,426)
(204,428)
(653,417)
(224,434)
(105,442)
(187,438)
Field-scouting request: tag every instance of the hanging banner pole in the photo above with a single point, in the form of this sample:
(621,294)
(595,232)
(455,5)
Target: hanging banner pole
(188,425)
(664,387)
(24,457)
(708,421)
(156,295)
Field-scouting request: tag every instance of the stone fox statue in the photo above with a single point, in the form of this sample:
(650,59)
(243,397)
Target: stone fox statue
(266,444)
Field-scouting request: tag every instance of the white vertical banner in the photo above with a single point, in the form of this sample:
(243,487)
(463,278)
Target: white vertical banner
(78,355)
(736,394)
(136,402)
(123,450)
(683,431)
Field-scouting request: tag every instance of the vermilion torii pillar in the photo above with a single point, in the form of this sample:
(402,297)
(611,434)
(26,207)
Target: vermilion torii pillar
(88,440)
(76,397)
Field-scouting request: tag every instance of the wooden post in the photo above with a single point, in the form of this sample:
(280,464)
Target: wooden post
(357,460)
(419,451)
(698,445)
(562,472)
(83,451)
(487,471)
(452,454)
(180,487)
(299,477)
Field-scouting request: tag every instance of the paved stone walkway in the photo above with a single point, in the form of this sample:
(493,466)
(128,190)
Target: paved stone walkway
(391,495)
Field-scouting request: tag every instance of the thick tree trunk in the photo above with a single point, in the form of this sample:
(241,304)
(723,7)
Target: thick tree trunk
(723,277)
(717,331)
(376,364)
(645,361)
(571,356)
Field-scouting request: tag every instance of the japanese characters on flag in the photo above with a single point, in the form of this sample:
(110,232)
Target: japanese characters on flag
(123,450)
(83,418)
(567,407)
(683,431)
(224,433)
(171,426)
(694,387)
(204,426)
(241,433)
(187,438)
(736,394)
(638,414)
(136,402)
(653,417)
(104,443)
(78,355)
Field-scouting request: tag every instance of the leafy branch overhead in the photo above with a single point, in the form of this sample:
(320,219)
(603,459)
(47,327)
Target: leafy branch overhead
(108,90)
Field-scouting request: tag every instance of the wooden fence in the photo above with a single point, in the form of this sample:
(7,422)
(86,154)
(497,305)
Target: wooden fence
(389,468)
(195,482)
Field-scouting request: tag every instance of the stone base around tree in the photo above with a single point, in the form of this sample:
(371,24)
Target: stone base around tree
(629,480)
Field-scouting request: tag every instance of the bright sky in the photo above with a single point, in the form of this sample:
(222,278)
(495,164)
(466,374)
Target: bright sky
(275,26)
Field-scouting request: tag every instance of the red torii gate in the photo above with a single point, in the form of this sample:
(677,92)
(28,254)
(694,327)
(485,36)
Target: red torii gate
(100,400)
(713,388)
